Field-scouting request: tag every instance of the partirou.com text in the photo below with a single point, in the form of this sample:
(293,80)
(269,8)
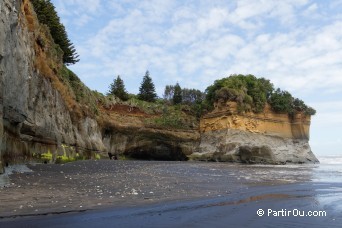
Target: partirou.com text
(288,213)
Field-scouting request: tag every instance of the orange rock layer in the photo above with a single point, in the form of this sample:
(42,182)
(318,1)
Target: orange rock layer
(225,116)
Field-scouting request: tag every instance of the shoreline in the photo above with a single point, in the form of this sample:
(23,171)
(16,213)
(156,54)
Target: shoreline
(96,189)
(237,209)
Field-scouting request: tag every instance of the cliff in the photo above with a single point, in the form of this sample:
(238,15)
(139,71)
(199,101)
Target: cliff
(266,137)
(47,112)
(45,109)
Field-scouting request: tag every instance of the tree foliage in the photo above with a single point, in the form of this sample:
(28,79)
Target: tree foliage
(177,95)
(284,102)
(168,92)
(249,92)
(189,96)
(147,91)
(252,94)
(118,89)
(47,15)
(281,101)
(192,96)
(192,99)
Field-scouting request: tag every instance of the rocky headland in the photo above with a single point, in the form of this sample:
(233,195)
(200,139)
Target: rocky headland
(47,112)
(266,137)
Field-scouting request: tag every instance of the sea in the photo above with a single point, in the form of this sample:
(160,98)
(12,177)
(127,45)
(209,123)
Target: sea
(329,169)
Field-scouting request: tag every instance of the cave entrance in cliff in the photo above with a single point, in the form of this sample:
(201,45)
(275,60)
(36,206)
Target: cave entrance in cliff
(160,152)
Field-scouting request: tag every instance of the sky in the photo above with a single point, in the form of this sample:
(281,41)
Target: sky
(297,44)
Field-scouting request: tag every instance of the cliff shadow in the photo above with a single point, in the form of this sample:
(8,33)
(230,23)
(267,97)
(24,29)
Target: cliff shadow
(159,151)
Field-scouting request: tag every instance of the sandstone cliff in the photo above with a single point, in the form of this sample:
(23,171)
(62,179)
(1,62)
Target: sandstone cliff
(40,112)
(267,137)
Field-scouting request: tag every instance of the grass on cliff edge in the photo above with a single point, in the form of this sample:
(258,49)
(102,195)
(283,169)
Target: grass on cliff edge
(158,114)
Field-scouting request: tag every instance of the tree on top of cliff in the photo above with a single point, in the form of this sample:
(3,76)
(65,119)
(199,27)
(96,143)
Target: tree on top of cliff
(47,15)
(147,91)
(249,92)
(168,92)
(189,96)
(118,89)
(252,94)
(177,95)
(284,102)
(192,96)
(281,101)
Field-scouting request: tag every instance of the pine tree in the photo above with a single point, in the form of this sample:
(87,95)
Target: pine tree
(177,95)
(117,88)
(47,15)
(147,90)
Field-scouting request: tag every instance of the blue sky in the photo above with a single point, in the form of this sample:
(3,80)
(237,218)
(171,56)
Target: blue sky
(297,44)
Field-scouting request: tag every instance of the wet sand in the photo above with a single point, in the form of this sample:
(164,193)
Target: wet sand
(166,194)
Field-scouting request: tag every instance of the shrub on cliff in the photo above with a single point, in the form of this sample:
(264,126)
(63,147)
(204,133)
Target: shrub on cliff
(282,101)
(47,15)
(249,92)
(252,94)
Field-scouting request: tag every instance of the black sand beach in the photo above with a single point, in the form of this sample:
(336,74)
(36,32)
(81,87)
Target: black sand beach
(171,194)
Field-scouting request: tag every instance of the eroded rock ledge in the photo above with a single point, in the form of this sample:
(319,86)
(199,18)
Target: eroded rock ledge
(266,137)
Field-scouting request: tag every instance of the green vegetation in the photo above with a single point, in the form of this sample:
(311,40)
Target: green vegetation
(177,94)
(147,91)
(72,156)
(61,159)
(117,88)
(283,102)
(163,114)
(80,92)
(156,107)
(249,92)
(69,156)
(191,100)
(252,94)
(174,119)
(97,156)
(46,157)
(186,96)
(47,15)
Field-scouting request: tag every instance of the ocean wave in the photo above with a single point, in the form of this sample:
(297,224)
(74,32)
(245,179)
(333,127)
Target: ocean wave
(331,160)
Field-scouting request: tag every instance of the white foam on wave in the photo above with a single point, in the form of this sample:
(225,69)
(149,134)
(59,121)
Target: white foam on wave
(331,160)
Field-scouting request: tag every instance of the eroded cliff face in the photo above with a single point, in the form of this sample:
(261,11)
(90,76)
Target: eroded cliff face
(266,137)
(126,133)
(225,116)
(35,116)
(39,113)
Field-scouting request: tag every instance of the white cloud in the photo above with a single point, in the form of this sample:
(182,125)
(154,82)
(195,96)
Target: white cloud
(80,12)
(211,41)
